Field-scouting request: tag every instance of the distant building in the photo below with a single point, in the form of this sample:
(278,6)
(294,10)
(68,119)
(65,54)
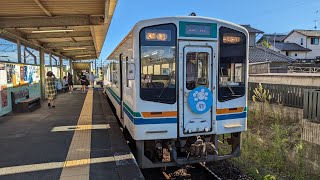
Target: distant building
(308,39)
(262,59)
(252,34)
(292,50)
(271,38)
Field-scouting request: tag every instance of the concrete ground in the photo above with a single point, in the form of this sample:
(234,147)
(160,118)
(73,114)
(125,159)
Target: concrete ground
(41,144)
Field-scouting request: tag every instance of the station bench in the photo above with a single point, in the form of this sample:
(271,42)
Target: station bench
(27,105)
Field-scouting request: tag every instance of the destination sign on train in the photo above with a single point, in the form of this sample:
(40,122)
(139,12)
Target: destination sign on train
(197,29)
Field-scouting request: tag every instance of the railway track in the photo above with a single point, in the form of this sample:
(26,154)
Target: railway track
(189,172)
(209,171)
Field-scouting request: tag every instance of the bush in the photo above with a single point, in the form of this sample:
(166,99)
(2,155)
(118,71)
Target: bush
(271,139)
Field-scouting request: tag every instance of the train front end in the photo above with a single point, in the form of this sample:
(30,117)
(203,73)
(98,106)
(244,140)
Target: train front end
(192,90)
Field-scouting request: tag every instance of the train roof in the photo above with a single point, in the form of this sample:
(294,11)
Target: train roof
(128,38)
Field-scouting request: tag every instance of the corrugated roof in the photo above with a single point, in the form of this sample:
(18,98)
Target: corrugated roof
(287,46)
(262,54)
(89,21)
(251,29)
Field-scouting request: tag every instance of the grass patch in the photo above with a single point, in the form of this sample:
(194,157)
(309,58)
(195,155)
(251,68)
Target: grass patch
(271,148)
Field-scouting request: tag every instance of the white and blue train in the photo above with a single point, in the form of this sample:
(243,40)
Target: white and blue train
(177,84)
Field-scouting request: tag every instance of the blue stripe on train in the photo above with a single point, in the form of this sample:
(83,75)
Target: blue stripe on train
(231,116)
(113,95)
(140,121)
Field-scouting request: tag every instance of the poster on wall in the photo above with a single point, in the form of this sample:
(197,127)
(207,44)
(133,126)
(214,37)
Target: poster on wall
(3,75)
(17,74)
(21,73)
(9,68)
(25,75)
(4,97)
(33,74)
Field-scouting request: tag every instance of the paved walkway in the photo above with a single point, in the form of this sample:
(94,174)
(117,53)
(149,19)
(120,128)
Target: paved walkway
(79,139)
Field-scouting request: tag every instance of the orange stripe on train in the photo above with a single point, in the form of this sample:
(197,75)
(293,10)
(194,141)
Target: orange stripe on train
(230,110)
(160,114)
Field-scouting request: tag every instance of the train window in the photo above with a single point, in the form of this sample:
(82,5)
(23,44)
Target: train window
(197,70)
(115,78)
(232,64)
(157,62)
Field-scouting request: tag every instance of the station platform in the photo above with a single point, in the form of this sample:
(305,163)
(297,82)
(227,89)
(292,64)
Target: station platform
(78,139)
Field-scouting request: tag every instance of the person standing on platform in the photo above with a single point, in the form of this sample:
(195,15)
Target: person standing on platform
(92,79)
(70,82)
(51,90)
(83,82)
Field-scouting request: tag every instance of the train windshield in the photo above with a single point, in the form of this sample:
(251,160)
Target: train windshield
(158,63)
(232,64)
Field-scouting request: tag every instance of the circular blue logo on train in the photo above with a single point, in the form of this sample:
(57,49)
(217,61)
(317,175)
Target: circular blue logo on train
(200,100)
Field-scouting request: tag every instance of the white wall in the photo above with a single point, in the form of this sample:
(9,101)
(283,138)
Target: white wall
(296,38)
(315,49)
(300,55)
(299,79)
(252,39)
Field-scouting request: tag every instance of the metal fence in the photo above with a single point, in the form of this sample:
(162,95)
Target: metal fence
(311,105)
(288,95)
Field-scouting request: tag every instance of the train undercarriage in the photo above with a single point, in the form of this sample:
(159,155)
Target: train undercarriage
(183,151)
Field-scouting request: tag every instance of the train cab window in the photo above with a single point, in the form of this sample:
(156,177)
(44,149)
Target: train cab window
(157,63)
(196,70)
(232,64)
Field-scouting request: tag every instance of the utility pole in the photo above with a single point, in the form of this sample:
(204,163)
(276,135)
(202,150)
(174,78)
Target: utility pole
(316,20)
(95,67)
(274,40)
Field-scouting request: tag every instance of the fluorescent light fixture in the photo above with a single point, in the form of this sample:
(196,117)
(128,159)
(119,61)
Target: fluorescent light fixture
(53,31)
(87,55)
(74,48)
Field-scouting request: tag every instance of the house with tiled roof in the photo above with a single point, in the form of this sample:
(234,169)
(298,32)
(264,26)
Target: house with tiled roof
(308,39)
(262,59)
(290,49)
(265,60)
(272,38)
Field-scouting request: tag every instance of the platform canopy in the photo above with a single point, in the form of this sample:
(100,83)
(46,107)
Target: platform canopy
(75,29)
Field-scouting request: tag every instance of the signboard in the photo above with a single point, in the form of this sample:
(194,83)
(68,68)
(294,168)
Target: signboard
(195,29)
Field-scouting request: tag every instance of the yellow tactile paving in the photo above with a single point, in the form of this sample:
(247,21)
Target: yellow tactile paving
(78,161)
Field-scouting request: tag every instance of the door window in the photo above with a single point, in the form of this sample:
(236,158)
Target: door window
(196,69)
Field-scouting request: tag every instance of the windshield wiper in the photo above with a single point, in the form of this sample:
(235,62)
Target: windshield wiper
(168,84)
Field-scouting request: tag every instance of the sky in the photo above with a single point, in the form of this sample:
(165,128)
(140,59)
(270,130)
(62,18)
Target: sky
(271,16)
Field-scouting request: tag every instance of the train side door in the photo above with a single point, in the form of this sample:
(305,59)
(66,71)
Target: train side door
(198,97)
(121,85)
